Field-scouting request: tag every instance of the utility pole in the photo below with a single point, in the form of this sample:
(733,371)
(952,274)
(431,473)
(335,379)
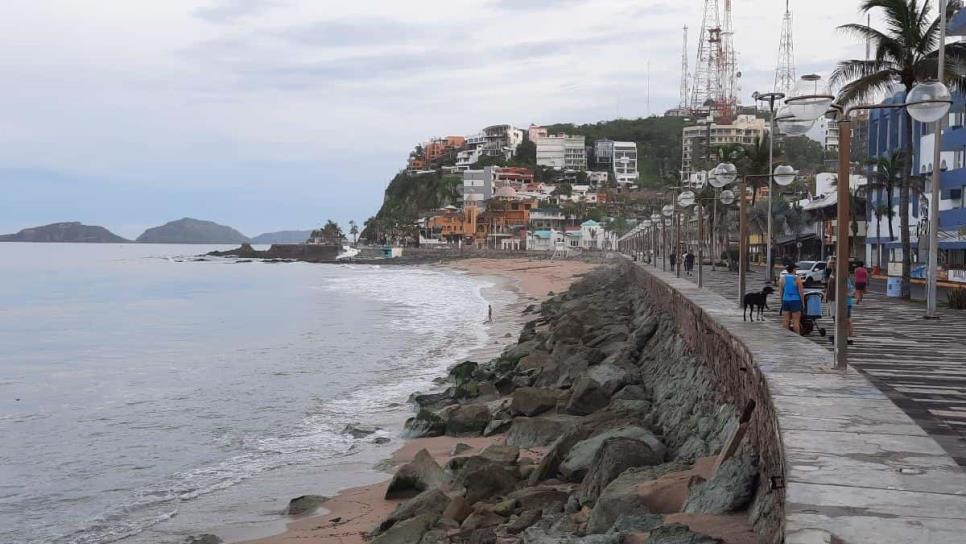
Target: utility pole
(933,262)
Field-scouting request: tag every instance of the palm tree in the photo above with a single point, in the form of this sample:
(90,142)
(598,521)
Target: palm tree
(880,211)
(353,230)
(886,177)
(904,55)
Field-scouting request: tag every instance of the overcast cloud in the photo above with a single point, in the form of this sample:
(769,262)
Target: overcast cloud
(277,114)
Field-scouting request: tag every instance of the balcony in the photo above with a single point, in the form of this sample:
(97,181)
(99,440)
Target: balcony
(952,219)
(953,179)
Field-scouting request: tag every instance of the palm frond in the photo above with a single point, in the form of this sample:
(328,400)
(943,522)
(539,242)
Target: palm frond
(865,85)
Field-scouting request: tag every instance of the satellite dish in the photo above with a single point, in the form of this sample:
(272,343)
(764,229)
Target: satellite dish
(738,74)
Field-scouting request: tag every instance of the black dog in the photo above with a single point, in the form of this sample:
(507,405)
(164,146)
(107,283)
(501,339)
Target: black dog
(756,301)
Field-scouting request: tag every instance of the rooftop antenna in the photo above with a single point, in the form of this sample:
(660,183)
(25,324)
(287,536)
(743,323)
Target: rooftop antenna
(683,106)
(648,89)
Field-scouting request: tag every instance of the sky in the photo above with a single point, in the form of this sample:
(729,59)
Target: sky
(279,114)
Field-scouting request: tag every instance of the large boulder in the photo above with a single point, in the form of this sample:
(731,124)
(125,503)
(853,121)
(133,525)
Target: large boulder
(413,478)
(582,455)
(587,397)
(678,534)
(614,457)
(499,453)
(529,401)
(525,520)
(567,331)
(730,489)
(636,523)
(463,372)
(537,432)
(497,426)
(469,420)
(539,498)
(609,376)
(483,479)
(424,424)
(408,531)
(621,496)
(305,504)
(550,463)
(431,501)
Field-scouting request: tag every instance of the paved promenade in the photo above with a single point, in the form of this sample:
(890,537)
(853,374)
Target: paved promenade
(858,470)
(919,364)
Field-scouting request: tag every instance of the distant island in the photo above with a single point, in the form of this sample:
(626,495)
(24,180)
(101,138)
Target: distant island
(283,237)
(192,231)
(73,232)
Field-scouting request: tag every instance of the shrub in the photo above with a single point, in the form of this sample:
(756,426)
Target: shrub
(957,299)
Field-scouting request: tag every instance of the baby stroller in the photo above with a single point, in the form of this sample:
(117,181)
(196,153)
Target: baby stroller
(812,312)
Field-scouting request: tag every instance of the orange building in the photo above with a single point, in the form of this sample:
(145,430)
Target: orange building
(452,223)
(515,176)
(504,217)
(439,148)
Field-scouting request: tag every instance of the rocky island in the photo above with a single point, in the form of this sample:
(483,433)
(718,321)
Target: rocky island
(192,231)
(68,232)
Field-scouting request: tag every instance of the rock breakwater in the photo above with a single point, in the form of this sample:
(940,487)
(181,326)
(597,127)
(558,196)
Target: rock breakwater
(606,430)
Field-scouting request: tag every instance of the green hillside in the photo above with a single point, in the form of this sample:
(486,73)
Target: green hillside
(658,143)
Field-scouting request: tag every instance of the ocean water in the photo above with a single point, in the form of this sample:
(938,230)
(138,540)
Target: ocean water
(145,397)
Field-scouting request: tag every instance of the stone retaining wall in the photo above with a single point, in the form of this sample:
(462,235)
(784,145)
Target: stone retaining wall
(840,463)
(734,370)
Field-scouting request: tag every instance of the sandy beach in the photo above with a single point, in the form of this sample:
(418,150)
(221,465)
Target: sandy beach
(353,512)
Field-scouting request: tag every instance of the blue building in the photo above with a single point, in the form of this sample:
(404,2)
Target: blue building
(886,133)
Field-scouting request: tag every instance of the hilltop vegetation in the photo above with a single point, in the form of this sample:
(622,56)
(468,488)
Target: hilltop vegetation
(658,142)
(406,196)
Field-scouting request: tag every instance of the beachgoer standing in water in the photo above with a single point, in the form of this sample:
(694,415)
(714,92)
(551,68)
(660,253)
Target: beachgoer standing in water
(793,296)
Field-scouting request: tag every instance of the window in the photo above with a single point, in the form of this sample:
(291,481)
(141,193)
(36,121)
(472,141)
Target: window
(956,195)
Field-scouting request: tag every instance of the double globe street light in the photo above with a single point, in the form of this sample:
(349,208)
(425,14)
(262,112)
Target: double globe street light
(724,174)
(811,99)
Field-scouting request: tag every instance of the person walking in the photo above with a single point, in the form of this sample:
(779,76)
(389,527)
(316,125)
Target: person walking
(793,298)
(689,263)
(830,296)
(674,259)
(861,282)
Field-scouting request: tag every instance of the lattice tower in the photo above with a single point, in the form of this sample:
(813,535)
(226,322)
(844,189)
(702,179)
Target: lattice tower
(706,90)
(728,71)
(785,73)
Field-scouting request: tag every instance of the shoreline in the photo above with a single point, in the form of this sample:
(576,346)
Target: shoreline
(354,511)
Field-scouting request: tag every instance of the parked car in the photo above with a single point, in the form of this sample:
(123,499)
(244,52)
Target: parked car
(811,272)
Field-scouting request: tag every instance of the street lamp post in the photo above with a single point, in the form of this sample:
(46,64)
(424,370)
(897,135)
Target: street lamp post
(771,98)
(933,262)
(928,102)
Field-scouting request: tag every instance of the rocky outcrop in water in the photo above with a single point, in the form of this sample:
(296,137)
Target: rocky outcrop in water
(620,425)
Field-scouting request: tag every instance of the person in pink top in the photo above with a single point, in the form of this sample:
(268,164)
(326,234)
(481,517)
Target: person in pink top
(861,282)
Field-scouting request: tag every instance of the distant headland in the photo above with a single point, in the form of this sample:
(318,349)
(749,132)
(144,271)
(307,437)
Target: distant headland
(181,231)
(65,232)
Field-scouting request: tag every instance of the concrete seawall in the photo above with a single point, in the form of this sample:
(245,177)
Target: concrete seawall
(839,461)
